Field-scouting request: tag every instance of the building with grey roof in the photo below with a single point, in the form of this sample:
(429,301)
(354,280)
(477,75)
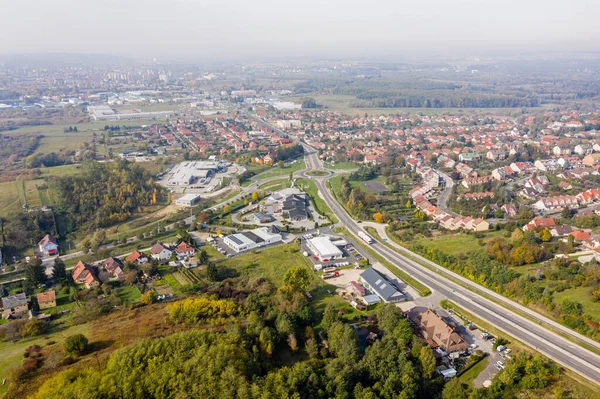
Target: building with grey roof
(381,286)
(14,305)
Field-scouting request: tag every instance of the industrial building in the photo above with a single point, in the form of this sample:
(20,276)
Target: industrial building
(106,113)
(253,239)
(323,248)
(188,200)
(187,173)
(380,286)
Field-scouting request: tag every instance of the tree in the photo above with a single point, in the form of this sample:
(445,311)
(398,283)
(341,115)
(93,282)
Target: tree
(378,217)
(545,235)
(455,389)
(34,327)
(427,362)
(75,345)
(226,209)
(35,273)
(202,257)
(59,271)
(254,196)
(280,164)
(408,204)
(149,297)
(212,272)
(297,277)
(150,269)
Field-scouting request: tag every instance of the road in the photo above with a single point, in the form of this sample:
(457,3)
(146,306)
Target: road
(442,202)
(552,345)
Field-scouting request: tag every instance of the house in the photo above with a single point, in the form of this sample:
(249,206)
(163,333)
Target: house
(539,223)
(480,225)
(580,235)
(114,266)
(84,274)
(46,299)
(184,250)
(591,159)
(14,305)
(496,155)
(137,257)
(583,149)
(435,331)
(160,253)
(510,210)
(382,287)
(48,245)
(561,231)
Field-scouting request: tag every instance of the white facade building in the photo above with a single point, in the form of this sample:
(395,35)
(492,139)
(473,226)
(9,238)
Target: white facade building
(323,248)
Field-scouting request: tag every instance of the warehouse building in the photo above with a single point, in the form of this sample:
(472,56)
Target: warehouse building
(188,200)
(187,173)
(323,248)
(253,239)
(381,286)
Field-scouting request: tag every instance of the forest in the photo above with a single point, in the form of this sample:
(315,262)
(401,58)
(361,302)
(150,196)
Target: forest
(246,338)
(107,193)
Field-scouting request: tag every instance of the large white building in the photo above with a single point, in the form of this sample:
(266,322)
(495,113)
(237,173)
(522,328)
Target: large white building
(323,248)
(253,239)
(187,173)
(187,200)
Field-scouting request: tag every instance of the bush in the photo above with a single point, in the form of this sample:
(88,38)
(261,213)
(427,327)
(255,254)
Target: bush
(34,327)
(75,345)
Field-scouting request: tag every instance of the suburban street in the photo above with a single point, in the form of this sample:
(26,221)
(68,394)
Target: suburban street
(553,345)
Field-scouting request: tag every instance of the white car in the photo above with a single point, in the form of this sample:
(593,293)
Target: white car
(500,364)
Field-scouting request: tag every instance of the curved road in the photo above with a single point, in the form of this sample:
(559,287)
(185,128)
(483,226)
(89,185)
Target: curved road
(554,346)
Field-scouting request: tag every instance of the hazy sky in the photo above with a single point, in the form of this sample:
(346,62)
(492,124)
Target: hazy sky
(198,28)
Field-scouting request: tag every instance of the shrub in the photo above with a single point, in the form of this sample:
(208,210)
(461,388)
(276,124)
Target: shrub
(75,344)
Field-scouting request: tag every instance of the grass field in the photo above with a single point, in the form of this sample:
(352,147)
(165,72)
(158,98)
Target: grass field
(340,165)
(275,184)
(341,103)
(318,173)
(276,171)
(582,295)
(454,244)
(12,353)
(129,293)
(271,263)
(10,199)
(468,377)
(311,189)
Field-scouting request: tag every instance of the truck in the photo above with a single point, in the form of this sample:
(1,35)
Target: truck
(327,276)
(365,237)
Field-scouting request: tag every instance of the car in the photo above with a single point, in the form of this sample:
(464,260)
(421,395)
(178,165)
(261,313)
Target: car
(507,351)
(500,364)
(473,346)
(498,367)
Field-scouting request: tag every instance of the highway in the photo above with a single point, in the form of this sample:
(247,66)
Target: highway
(552,345)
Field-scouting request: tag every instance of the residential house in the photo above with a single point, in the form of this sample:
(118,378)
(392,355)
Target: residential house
(591,159)
(48,245)
(160,253)
(114,266)
(46,299)
(184,250)
(84,274)
(480,224)
(539,223)
(561,231)
(510,210)
(436,331)
(137,257)
(14,305)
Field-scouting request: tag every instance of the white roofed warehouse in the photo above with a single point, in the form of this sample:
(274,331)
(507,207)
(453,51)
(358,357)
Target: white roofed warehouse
(188,200)
(323,248)
(253,239)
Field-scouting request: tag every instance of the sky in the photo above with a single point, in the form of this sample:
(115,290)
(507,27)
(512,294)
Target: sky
(282,28)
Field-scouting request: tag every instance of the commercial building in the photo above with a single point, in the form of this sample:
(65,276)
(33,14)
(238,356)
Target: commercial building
(253,239)
(188,200)
(380,286)
(323,248)
(187,173)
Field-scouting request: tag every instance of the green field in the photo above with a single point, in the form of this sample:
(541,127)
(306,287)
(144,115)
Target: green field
(10,199)
(318,173)
(582,295)
(341,103)
(454,244)
(336,182)
(129,293)
(275,184)
(271,263)
(12,353)
(310,188)
(276,171)
(340,165)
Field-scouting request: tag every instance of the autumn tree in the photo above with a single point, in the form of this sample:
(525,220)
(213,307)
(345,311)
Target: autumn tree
(428,362)
(545,235)
(297,277)
(75,345)
(254,196)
